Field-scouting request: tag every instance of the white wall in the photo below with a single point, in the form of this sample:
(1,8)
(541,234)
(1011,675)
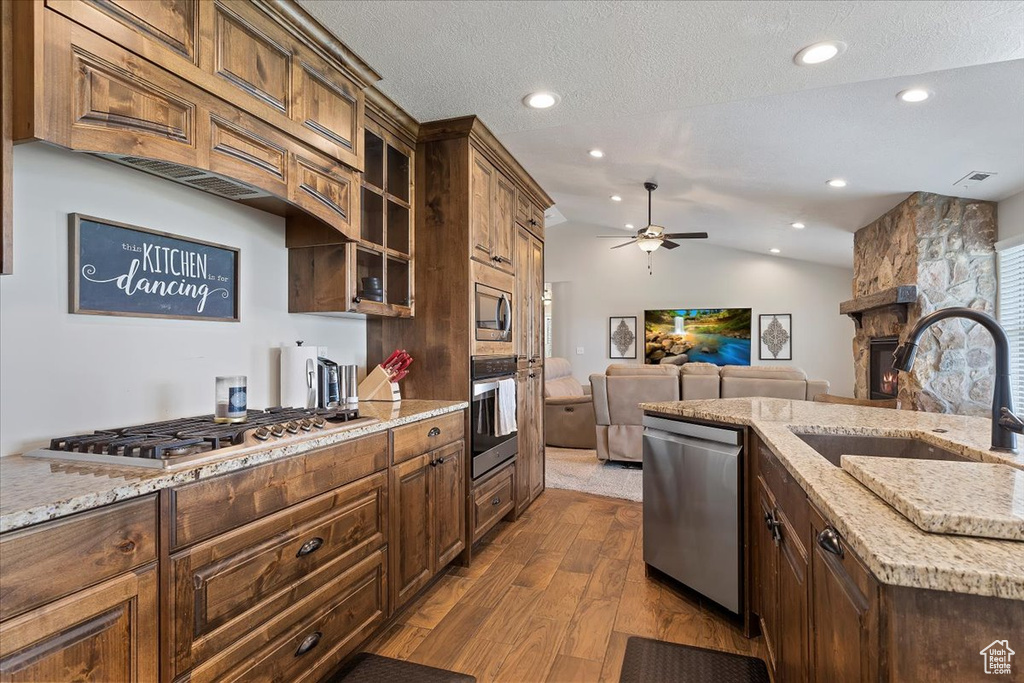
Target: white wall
(590,282)
(1010,216)
(63,373)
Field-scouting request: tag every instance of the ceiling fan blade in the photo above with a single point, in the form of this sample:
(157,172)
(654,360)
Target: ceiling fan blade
(616,237)
(624,244)
(687,235)
(668,244)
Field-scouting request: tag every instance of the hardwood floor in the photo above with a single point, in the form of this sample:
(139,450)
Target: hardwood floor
(553,597)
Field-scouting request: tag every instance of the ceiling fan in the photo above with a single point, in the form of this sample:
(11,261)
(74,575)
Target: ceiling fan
(654,236)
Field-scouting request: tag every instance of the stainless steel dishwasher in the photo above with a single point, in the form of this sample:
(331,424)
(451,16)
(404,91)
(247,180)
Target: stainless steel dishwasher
(692,506)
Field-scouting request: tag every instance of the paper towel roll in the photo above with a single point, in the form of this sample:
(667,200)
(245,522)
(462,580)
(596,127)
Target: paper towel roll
(298,376)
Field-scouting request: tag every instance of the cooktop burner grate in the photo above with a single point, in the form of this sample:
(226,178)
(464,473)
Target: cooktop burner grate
(188,436)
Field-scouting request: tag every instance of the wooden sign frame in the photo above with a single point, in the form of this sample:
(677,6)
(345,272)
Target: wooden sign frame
(75,271)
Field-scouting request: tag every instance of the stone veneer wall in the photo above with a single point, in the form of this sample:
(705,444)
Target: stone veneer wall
(944,245)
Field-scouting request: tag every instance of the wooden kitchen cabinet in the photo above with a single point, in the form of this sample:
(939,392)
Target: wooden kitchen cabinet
(78,597)
(844,599)
(782,567)
(528,327)
(107,632)
(328,274)
(530,458)
(6,152)
(427,517)
(492,214)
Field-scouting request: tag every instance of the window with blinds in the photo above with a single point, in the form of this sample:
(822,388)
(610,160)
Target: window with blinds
(1011,311)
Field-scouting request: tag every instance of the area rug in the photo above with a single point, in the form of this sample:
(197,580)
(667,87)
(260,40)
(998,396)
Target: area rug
(580,470)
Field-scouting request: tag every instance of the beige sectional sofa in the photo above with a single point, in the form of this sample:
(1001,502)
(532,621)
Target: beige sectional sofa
(618,392)
(568,407)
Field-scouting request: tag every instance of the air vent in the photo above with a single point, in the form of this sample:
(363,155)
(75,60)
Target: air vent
(973,178)
(193,177)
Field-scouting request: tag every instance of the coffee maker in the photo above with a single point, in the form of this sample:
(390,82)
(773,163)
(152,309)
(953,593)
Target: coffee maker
(329,383)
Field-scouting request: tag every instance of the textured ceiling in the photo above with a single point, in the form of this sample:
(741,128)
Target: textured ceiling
(704,98)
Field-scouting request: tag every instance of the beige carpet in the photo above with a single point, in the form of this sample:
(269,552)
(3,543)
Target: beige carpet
(580,470)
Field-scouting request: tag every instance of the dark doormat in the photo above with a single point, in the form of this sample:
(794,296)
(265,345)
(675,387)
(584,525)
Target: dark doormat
(655,660)
(370,668)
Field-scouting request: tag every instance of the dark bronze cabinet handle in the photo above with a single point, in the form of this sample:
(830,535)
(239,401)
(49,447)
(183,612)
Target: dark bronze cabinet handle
(310,547)
(828,540)
(434,431)
(357,299)
(532,374)
(496,501)
(308,643)
(774,526)
(439,461)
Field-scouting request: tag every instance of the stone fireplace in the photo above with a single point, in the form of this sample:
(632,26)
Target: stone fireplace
(928,252)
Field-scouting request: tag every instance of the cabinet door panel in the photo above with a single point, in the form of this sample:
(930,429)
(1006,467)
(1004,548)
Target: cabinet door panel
(767,572)
(523,461)
(250,59)
(247,155)
(521,297)
(173,23)
(111,96)
(792,608)
(330,106)
(104,633)
(326,194)
(503,231)
(536,271)
(844,613)
(481,202)
(412,523)
(536,425)
(449,503)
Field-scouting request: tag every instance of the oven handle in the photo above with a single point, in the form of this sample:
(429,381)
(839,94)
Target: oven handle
(483,386)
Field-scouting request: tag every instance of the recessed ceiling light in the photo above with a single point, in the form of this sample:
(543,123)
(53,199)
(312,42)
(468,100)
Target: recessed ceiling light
(596,153)
(798,226)
(775,250)
(541,100)
(615,198)
(629,226)
(819,52)
(914,95)
(836,182)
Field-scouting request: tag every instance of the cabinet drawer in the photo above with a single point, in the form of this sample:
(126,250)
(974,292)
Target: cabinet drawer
(97,545)
(212,506)
(308,639)
(326,193)
(492,501)
(226,586)
(420,437)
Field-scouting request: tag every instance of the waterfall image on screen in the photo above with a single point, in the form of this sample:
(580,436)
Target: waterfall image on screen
(707,335)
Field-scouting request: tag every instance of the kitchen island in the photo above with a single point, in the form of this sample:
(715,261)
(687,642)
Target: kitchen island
(828,564)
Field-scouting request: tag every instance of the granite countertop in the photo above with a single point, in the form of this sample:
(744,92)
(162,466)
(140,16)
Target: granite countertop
(34,490)
(896,551)
(964,498)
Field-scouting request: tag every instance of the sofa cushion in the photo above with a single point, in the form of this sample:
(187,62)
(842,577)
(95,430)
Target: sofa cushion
(773,372)
(625,394)
(623,370)
(562,387)
(700,369)
(557,368)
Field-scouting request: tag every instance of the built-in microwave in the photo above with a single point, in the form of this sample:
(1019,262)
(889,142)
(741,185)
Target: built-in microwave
(493,311)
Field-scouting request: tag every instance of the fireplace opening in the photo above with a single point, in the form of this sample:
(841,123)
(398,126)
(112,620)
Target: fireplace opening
(883,379)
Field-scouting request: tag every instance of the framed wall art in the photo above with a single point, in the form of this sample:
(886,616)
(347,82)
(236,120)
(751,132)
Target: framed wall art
(707,335)
(775,336)
(119,269)
(622,337)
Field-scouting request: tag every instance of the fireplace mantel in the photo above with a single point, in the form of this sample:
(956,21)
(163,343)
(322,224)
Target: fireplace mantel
(898,297)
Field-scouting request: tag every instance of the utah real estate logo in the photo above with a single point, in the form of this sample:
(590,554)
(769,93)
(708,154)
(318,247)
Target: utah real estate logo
(997,657)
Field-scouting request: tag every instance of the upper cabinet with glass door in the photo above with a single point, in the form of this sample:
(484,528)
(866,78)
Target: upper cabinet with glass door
(383,263)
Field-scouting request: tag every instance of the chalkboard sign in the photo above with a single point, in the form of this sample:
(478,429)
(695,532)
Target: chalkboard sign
(119,269)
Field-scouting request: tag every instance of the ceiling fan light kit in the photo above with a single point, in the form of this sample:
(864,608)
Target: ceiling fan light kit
(653,237)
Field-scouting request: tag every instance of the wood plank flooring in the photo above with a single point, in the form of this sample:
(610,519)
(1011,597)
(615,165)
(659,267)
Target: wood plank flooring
(553,597)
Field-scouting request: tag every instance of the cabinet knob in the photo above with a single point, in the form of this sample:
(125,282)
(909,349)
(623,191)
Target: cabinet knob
(439,461)
(434,431)
(496,501)
(357,299)
(532,374)
(310,547)
(308,643)
(828,540)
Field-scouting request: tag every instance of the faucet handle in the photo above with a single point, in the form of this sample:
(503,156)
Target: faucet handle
(1008,420)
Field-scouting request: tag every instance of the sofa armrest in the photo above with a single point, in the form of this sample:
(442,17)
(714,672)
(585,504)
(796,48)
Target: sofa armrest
(587,391)
(815,387)
(599,391)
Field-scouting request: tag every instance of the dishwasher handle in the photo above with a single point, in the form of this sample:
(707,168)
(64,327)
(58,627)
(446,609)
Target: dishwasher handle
(732,437)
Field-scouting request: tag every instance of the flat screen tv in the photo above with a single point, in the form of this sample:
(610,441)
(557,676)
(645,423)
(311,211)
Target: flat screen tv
(709,335)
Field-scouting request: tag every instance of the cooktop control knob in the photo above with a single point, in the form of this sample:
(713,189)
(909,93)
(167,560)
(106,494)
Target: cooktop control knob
(261,433)
(319,422)
(277,430)
(292,427)
(306,424)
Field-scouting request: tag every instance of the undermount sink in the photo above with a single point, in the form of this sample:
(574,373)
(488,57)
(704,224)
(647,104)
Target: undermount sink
(833,446)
